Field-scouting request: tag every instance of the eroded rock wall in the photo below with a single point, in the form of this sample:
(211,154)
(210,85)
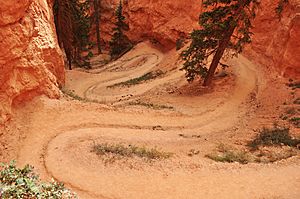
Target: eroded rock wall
(160,21)
(31,62)
(276,42)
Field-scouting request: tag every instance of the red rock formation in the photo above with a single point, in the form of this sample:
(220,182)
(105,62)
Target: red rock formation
(31,62)
(159,21)
(276,43)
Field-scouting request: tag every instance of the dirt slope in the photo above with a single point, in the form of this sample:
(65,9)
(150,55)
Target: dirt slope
(57,136)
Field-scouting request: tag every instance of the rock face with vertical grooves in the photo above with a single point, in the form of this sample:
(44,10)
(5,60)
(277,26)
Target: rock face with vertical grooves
(162,22)
(31,62)
(276,42)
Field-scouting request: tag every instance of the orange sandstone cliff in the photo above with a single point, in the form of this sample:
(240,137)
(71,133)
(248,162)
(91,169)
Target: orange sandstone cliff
(276,42)
(31,62)
(162,22)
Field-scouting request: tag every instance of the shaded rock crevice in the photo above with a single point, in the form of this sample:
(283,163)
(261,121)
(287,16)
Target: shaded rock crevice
(31,63)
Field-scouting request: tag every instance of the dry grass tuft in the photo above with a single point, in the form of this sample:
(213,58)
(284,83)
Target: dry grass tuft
(129,151)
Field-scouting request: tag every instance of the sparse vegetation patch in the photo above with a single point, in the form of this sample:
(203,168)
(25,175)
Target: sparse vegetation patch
(150,105)
(228,154)
(77,97)
(292,114)
(72,94)
(139,80)
(274,154)
(295,121)
(275,136)
(262,155)
(129,151)
(270,145)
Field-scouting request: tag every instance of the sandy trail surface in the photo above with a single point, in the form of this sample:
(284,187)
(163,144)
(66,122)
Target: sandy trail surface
(58,135)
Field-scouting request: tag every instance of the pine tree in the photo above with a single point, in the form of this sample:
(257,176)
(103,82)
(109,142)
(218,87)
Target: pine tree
(97,22)
(72,27)
(225,28)
(81,27)
(120,42)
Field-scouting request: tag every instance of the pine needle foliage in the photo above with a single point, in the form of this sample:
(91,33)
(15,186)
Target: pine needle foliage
(119,43)
(225,29)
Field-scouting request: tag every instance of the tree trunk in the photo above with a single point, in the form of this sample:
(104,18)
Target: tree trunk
(70,64)
(97,16)
(217,57)
(222,47)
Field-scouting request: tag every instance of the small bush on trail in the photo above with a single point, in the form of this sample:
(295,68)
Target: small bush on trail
(262,155)
(274,136)
(129,151)
(227,154)
(24,183)
(262,149)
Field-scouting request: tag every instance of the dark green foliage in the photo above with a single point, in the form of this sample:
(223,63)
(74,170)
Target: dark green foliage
(72,27)
(180,43)
(119,43)
(81,25)
(275,136)
(225,28)
(24,183)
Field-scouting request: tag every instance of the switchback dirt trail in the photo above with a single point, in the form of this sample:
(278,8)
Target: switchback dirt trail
(59,145)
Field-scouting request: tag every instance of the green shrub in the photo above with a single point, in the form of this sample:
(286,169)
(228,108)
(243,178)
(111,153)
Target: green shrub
(90,54)
(24,183)
(274,136)
(179,43)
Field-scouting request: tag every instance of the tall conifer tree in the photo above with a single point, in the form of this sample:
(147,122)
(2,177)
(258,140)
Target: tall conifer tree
(225,26)
(120,42)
